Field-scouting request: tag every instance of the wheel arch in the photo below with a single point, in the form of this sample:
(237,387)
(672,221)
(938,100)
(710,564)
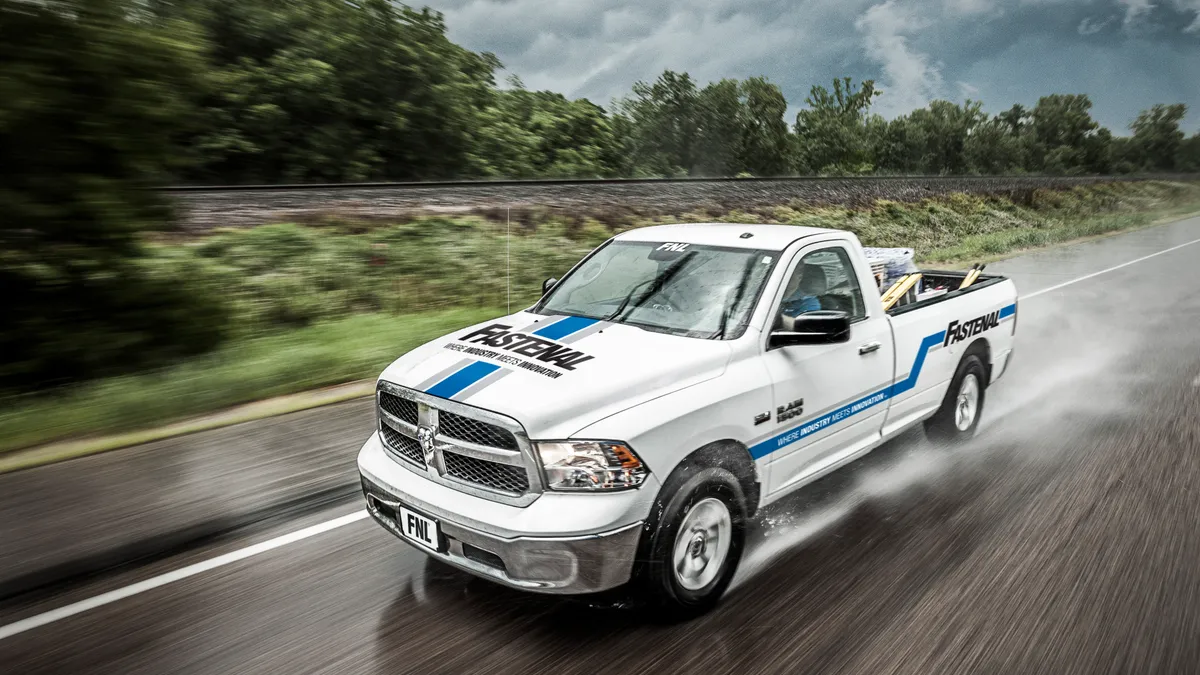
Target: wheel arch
(983,349)
(733,456)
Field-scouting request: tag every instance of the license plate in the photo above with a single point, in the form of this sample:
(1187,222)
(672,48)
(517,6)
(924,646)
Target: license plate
(418,528)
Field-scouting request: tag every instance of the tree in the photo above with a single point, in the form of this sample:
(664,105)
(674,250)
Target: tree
(945,127)
(1063,120)
(727,128)
(1098,152)
(831,133)
(96,99)
(1188,158)
(992,148)
(765,146)
(1060,128)
(1014,119)
(327,90)
(1157,138)
(720,130)
(528,134)
(1123,155)
(896,146)
(664,121)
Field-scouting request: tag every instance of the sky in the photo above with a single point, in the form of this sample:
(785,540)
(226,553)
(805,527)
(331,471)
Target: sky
(1125,54)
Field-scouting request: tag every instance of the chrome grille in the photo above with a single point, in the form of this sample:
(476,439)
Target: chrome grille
(496,476)
(474,450)
(402,408)
(399,444)
(473,431)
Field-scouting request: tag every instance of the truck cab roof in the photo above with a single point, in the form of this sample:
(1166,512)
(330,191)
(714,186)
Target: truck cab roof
(733,235)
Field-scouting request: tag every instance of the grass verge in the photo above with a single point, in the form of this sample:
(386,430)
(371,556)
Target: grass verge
(335,352)
(1008,243)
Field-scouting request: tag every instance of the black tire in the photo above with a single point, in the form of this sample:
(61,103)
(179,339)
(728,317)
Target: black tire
(945,426)
(656,579)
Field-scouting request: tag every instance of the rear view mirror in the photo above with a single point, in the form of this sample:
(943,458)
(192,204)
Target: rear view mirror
(812,328)
(548,285)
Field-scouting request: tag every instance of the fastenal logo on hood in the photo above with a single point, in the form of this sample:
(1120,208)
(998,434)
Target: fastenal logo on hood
(503,337)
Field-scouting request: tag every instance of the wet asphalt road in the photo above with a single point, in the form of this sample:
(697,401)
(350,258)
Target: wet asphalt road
(1064,539)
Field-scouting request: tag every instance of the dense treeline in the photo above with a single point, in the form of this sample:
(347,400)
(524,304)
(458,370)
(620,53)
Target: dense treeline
(327,90)
(673,128)
(100,99)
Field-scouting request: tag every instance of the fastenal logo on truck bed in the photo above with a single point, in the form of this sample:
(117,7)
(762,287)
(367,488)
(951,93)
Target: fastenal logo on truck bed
(957,332)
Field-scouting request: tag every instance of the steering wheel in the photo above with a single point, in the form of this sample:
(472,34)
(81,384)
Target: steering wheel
(670,300)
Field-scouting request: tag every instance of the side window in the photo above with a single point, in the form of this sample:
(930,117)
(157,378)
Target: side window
(823,280)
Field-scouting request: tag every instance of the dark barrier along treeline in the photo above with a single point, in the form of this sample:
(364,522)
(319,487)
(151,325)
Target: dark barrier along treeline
(101,98)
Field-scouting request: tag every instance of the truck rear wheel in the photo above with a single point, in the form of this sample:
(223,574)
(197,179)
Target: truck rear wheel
(692,549)
(958,417)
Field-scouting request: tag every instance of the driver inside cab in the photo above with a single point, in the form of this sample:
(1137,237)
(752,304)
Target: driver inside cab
(804,291)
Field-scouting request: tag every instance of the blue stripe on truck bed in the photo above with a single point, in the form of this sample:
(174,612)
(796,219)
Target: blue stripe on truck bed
(812,426)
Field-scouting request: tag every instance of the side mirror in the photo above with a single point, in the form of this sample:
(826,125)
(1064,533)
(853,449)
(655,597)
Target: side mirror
(548,285)
(812,328)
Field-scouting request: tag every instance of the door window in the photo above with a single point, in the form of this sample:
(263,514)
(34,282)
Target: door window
(823,280)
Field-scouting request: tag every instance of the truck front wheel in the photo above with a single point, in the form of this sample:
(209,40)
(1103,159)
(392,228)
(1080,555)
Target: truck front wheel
(692,548)
(958,417)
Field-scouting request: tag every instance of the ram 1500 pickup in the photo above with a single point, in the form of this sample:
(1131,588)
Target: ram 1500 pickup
(622,431)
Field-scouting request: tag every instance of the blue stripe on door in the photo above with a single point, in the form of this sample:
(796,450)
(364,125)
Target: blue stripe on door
(462,378)
(766,447)
(760,450)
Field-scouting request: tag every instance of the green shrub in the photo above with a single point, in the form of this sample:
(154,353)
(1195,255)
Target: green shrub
(92,108)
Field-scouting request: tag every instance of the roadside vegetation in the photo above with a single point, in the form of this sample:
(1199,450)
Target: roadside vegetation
(305,306)
(243,370)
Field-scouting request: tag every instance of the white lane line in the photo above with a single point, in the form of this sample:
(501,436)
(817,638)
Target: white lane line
(1106,271)
(177,575)
(192,570)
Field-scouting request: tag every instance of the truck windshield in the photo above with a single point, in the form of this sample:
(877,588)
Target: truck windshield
(684,289)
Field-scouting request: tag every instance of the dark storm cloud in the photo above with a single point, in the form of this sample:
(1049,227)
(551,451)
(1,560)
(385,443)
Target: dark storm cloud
(1125,53)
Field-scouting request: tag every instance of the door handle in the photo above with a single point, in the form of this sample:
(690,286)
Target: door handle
(869,347)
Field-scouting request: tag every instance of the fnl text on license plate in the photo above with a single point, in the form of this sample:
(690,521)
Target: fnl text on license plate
(418,528)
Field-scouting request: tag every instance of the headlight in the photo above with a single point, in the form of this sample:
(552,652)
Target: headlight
(590,466)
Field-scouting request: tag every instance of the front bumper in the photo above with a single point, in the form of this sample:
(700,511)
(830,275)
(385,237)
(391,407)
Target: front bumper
(561,543)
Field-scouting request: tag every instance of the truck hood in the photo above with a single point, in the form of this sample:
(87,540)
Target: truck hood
(557,374)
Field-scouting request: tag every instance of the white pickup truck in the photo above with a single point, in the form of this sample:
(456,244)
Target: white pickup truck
(620,432)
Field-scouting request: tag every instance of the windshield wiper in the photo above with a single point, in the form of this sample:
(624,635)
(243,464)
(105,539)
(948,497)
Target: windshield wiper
(727,310)
(656,285)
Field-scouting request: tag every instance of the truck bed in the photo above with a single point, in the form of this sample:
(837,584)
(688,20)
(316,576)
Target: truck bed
(933,279)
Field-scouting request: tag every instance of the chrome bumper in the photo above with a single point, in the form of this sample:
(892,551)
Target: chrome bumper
(562,565)
(563,543)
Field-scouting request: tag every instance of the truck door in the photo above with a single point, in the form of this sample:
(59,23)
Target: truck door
(830,400)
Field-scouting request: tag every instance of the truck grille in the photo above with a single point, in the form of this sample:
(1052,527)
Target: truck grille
(492,474)
(472,452)
(472,431)
(402,408)
(401,445)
